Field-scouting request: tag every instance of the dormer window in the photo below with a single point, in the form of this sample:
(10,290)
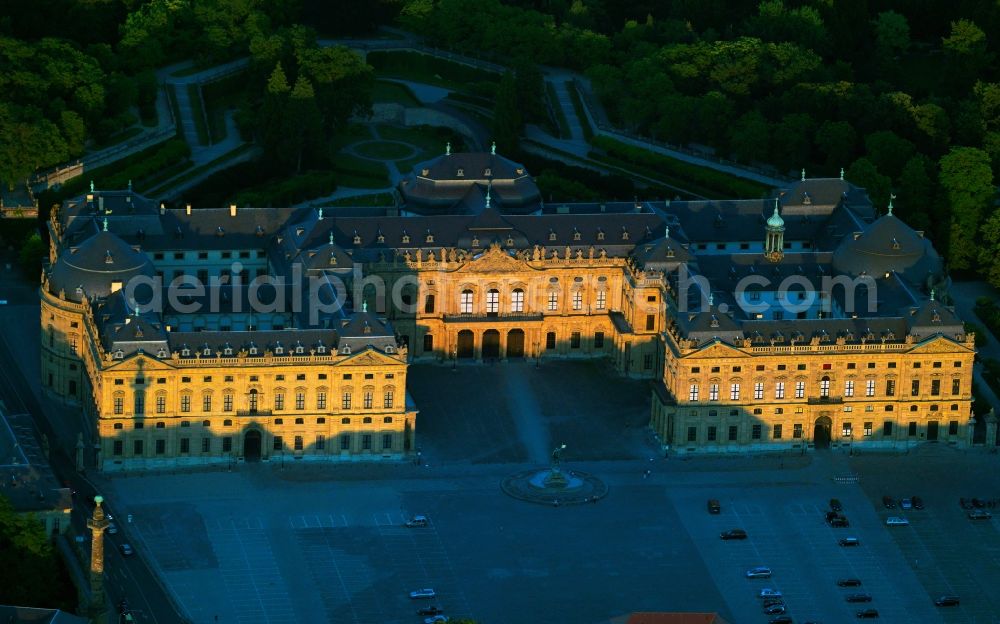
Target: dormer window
(576,234)
(460,173)
(624,234)
(162,353)
(487,172)
(227,351)
(79,291)
(425,172)
(253,350)
(357,238)
(108,258)
(321,349)
(406,238)
(390,349)
(806,200)
(475,241)
(552,235)
(670,252)
(520,171)
(429,238)
(186,352)
(259,231)
(206,351)
(119,354)
(219,231)
(279,350)
(299,350)
(345,350)
(367,329)
(600,235)
(936,318)
(715,321)
(299,231)
(380,238)
(895,244)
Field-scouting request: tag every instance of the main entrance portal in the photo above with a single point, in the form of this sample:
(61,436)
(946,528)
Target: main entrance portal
(515,343)
(251,446)
(491,344)
(821,432)
(466,344)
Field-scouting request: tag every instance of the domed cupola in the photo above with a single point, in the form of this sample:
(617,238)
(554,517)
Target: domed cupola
(887,245)
(102,264)
(774,240)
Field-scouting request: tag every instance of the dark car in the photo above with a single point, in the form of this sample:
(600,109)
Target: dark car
(781,619)
(714,507)
(978,504)
(840,522)
(430,611)
(858,598)
(770,602)
(737,534)
(947,601)
(918,503)
(848,541)
(888,502)
(979,514)
(867,614)
(835,505)
(849,582)
(777,609)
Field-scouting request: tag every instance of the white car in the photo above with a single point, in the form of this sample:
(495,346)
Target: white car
(112,528)
(423,593)
(417,521)
(906,503)
(759,572)
(769,592)
(434,619)
(896,521)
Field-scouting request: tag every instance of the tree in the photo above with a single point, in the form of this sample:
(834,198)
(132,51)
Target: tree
(916,190)
(304,124)
(836,140)
(865,174)
(966,180)
(989,253)
(749,137)
(506,116)
(30,572)
(892,35)
(530,87)
(888,151)
(270,121)
(31,253)
(791,141)
(965,49)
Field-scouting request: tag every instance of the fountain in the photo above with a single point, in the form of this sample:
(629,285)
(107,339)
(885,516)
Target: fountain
(555,486)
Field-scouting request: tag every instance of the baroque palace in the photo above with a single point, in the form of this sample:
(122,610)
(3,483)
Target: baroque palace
(213,335)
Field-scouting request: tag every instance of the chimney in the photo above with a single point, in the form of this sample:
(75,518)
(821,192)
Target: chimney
(187,209)
(163,208)
(232,210)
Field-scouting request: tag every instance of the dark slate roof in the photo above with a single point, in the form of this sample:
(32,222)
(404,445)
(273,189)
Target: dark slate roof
(821,192)
(435,185)
(218,341)
(740,220)
(662,254)
(93,266)
(30,615)
(887,245)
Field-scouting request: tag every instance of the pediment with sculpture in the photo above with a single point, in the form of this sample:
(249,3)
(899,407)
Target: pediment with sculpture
(494,260)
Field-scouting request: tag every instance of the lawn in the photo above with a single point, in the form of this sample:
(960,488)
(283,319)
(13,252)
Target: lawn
(387,91)
(431,70)
(353,172)
(221,96)
(384,150)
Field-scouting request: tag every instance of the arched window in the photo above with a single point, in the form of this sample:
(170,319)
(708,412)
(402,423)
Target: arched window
(493,301)
(465,303)
(517,300)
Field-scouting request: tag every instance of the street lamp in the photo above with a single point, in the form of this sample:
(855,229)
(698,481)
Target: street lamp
(538,355)
(454,357)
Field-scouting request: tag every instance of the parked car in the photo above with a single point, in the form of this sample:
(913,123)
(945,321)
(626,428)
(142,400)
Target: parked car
(849,541)
(775,609)
(830,515)
(434,610)
(770,602)
(434,619)
(126,549)
(896,521)
(858,598)
(840,522)
(888,502)
(978,503)
(423,593)
(849,582)
(918,503)
(759,572)
(769,592)
(733,534)
(947,601)
(781,619)
(714,507)
(835,505)
(112,528)
(979,514)
(417,521)
(867,614)
(906,504)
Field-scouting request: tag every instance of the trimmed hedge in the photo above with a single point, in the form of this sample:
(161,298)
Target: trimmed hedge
(698,178)
(415,65)
(574,96)
(288,191)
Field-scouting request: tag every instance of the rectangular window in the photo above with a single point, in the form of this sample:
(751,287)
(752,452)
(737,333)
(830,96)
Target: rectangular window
(161,446)
(758,391)
(574,340)
(387,399)
(755,432)
(386,441)
(870,388)
(320,442)
(602,299)
(849,388)
(321,400)
(800,389)
(577,300)
(185,402)
(956,386)
(465,303)
(161,405)
(650,322)
(911,430)
(345,442)
(647,361)
(868,429)
(598,340)
(935,387)
(368,399)
(776,432)
(185,445)
(227,402)
(692,434)
(824,387)
(366,442)
(713,392)
(734,392)
(953,428)
(915,387)
(206,445)
(797,431)
(117,448)
(429,304)
(711,434)
(139,404)
(553,300)
(119,405)
(779,390)
(137,447)
(550,340)
(492,301)
(298,443)
(846,429)
(345,401)
(693,393)
(733,432)
(300,400)
(227,445)
(206,403)
(890,387)
(517,300)
(278,443)
(428,343)
(279,401)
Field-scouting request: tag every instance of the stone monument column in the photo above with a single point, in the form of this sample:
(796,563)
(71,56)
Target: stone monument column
(97,524)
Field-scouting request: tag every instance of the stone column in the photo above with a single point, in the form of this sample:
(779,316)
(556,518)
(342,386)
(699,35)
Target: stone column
(97,524)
